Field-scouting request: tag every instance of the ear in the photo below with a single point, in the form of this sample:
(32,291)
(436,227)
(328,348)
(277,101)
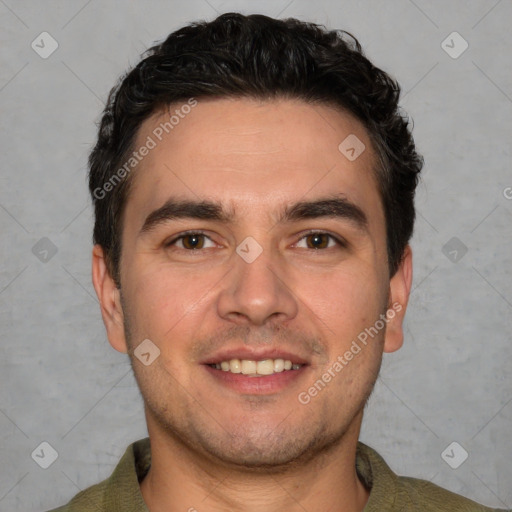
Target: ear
(110,300)
(399,290)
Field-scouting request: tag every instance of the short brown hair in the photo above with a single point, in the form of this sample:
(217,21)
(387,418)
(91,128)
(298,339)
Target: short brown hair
(259,57)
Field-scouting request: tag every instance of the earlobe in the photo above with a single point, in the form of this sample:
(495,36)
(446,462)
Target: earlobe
(399,291)
(110,300)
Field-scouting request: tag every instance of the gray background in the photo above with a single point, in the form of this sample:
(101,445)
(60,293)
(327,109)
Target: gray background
(61,382)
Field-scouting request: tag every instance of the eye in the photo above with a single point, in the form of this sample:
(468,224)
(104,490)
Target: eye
(195,240)
(320,240)
(190,241)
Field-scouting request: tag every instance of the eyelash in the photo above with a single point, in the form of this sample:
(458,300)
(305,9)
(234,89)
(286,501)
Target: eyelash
(340,242)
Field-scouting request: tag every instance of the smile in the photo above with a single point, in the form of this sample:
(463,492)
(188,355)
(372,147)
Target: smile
(253,368)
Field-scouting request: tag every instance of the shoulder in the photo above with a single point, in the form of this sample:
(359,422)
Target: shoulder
(120,492)
(390,492)
(88,500)
(428,497)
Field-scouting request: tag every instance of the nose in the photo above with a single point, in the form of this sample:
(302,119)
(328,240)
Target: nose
(255,292)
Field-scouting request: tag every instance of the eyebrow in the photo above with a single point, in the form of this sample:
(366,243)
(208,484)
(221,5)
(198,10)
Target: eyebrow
(338,207)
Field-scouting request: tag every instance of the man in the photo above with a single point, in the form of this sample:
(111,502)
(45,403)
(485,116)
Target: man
(253,184)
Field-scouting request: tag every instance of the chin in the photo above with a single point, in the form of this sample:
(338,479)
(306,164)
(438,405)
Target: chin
(267,451)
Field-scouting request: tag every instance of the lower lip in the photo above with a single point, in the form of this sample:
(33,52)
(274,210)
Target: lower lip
(264,385)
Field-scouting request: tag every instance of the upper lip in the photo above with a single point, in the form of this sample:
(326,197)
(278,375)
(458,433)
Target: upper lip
(254,355)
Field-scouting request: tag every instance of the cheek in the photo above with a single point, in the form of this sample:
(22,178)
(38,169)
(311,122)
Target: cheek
(166,300)
(347,301)
(164,307)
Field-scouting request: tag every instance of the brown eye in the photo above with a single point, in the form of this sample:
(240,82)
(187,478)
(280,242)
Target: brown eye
(194,241)
(189,241)
(318,240)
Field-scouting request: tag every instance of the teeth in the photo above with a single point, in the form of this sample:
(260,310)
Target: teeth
(265,367)
(235,366)
(248,367)
(278,365)
(252,368)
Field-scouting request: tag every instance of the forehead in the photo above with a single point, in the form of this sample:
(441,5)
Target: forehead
(252,155)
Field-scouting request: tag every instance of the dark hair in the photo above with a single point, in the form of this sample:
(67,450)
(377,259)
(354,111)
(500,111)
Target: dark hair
(258,57)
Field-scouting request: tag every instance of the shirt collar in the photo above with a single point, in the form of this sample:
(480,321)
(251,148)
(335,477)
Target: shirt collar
(122,493)
(378,477)
(123,490)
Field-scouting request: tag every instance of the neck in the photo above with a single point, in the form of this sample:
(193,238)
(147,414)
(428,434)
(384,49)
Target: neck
(182,479)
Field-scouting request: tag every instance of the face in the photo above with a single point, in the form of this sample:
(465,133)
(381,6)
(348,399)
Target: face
(251,242)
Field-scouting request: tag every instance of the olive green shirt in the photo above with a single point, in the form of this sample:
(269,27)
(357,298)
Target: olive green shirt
(389,492)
